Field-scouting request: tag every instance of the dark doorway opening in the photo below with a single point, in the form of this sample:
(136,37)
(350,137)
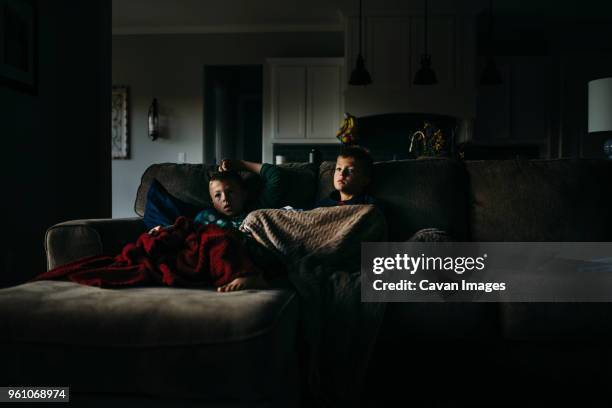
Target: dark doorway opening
(233,112)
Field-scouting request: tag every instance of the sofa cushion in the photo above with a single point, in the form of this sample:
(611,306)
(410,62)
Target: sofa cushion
(541,200)
(160,341)
(299,184)
(416,194)
(189,183)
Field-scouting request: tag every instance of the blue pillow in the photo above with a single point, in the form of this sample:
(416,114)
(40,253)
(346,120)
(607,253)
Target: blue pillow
(163,208)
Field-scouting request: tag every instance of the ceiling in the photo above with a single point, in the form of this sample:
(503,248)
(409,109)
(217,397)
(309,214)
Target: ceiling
(185,16)
(226,15)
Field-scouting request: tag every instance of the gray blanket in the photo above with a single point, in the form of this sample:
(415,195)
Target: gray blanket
(322,250)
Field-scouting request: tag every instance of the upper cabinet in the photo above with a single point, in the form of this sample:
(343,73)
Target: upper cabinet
(288,101)
(324,106)
(304,100)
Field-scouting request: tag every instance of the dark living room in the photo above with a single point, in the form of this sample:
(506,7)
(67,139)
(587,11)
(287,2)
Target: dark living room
(488,129)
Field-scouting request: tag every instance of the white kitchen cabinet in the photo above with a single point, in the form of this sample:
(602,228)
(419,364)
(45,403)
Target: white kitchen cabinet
(304,101)
(324,101)
(289,102)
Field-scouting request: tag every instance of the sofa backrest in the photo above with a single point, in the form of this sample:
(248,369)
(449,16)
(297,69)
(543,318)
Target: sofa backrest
(541,200)
(494,200)
(416,194)
(189,183)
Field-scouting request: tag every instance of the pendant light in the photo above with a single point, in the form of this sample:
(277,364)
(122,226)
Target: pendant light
(425,75)
(360,76)
(490,75)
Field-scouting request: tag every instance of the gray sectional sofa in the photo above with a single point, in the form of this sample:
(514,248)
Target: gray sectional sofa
(160,345)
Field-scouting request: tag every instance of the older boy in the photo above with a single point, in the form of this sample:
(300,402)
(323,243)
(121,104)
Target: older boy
(352,174)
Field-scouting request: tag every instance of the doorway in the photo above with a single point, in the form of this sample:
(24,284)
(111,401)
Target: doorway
(233,112)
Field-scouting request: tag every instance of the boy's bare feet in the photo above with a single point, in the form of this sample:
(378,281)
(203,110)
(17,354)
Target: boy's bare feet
(246,282)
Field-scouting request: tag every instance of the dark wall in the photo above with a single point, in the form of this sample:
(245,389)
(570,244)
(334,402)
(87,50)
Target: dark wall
(56,144)
(546,64)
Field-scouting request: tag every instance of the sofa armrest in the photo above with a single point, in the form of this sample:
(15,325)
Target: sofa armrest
(72,240)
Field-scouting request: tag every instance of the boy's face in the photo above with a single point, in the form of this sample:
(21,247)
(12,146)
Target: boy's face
(349,177)
(227,197)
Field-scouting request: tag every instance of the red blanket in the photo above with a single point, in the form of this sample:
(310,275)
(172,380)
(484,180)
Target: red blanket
(185,255)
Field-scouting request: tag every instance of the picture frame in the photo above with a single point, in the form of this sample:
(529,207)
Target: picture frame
(18,45)
(120,135)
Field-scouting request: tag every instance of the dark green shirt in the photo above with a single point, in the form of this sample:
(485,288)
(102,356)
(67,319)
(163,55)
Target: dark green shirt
(270,196)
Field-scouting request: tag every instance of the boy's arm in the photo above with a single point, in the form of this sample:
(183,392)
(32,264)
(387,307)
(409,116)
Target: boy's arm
(270,196)
(238,165)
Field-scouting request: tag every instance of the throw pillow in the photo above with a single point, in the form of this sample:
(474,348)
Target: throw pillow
(163,208)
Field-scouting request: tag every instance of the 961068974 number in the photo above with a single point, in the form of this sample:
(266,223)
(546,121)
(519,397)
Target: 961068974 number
(17,394)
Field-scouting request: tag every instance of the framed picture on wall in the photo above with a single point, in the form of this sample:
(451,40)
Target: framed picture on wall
(18,45)
(120,138)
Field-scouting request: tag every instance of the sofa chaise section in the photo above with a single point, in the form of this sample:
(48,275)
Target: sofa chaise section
(181,343)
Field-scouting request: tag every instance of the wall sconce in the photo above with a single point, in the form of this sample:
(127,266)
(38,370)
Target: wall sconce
(153,120)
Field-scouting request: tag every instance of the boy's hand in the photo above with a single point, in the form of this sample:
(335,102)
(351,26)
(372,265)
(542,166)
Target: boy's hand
(227,164)
(156,230)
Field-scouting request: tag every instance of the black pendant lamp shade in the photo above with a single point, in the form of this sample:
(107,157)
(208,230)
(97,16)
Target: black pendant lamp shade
(425,75)
(490,75)
(360,75)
